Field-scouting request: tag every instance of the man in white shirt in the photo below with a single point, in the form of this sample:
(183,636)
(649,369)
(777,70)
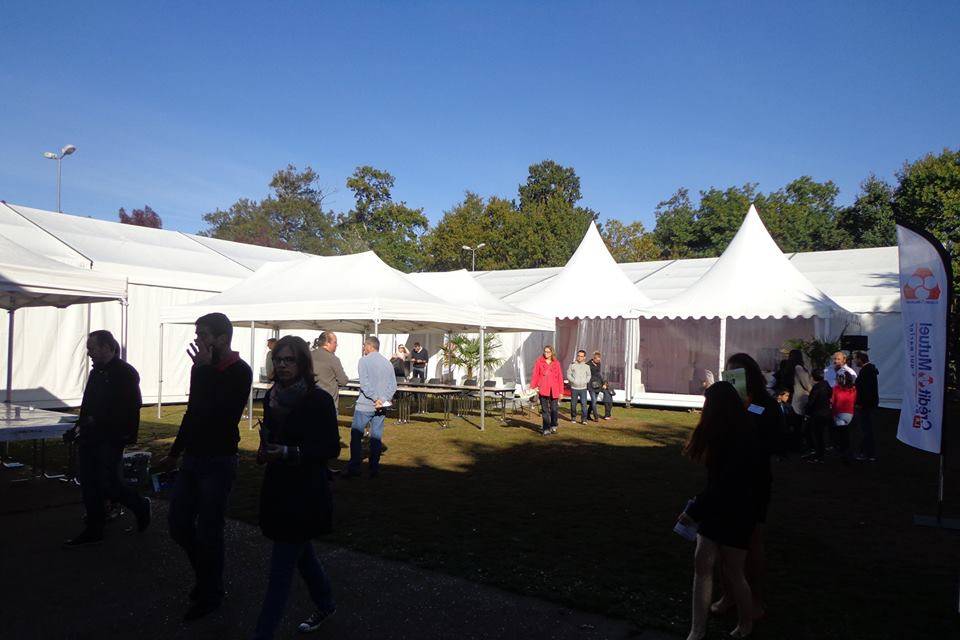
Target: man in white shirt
(839,364)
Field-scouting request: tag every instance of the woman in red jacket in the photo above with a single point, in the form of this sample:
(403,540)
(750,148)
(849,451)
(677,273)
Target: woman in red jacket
(547,381)
(843,403)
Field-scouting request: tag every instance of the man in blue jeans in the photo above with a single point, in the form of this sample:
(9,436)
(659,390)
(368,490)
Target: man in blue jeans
(377,386)
(578,375)
(208,436)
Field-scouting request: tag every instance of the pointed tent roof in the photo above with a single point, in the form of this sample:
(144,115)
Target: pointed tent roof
(462,289)
(338,293)
(591,285)
(28,279)
(752,279)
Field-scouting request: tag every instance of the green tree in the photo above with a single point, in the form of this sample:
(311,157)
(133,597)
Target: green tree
(802,215)
(629,242)
(391,229)
(145,217)
(676,230)
(868,222)
(928,195)
(292,217)
(719,216)
(547,179)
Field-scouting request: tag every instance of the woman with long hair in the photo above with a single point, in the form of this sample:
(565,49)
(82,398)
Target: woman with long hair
(769,433)
(298,436)
(724,442)
(547,382)
(802,382)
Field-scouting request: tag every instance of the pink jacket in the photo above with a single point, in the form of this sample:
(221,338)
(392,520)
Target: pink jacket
(548,378)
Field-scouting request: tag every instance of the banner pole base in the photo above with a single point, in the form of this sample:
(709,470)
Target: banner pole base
(951,524)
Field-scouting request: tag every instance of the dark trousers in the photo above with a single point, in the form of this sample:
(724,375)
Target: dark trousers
(607,402)
(548,412)
(578,395)
(840,437)
(418,374)
(197,511)
(101,477)
(286,557)
(814,433)
(864,418)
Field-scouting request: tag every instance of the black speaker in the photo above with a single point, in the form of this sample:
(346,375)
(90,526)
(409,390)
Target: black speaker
(853,343)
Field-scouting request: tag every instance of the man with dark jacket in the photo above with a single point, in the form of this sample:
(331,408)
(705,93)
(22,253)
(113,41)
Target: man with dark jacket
(109,419)
(868,400)
(208,436)
(818,416)
(599,385)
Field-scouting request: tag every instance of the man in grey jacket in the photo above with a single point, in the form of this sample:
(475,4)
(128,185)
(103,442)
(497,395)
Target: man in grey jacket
(377,386)
(578,374)
(327,366)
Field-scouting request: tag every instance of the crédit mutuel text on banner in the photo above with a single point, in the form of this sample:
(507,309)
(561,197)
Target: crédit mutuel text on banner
(923,306)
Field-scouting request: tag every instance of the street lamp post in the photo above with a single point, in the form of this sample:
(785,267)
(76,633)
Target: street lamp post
(50,155)
(473,254)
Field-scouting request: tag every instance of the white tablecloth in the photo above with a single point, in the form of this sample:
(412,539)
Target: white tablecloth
(33,424)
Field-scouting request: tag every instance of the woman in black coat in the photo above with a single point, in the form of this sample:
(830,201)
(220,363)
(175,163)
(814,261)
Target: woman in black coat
(299,434)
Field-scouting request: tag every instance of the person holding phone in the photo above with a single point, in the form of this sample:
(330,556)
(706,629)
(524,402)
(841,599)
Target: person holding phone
(298,436)
(208,436)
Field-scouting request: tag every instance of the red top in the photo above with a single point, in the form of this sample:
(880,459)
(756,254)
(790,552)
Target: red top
(548,378)
(844,399)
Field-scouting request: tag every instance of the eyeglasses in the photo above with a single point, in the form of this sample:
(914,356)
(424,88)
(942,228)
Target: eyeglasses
(285,360)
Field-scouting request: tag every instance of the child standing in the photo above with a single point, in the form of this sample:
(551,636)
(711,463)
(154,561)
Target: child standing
(843,401)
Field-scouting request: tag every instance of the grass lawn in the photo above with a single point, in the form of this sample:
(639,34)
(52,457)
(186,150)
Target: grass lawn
(584,518)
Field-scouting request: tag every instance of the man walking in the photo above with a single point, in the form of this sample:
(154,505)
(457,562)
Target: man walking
(868,399)
(578,375)
(327,366)
(109,420)
(377,386)
(208,436)
(418,363)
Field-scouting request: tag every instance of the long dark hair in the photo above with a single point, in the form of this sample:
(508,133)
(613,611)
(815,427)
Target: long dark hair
(756,381)
(723,419)
(301,351)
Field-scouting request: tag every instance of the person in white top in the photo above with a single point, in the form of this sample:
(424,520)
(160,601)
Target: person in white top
(839,364)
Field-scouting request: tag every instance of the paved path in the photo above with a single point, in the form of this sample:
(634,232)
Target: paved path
(133,587)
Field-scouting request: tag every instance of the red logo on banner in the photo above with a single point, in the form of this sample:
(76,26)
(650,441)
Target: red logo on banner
(922,285)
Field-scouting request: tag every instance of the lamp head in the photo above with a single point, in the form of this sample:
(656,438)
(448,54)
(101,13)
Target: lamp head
(467,248)
(481,245)
(67,150)
(49,155)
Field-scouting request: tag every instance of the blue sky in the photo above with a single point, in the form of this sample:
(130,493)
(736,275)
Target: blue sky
(189,106)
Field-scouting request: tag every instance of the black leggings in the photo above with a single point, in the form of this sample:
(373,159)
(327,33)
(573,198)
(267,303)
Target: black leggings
(814,433)
(548,411)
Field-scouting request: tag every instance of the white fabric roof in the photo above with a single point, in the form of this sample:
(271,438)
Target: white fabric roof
(30,280)
(861,280)
(591,285)
(461,289)
(752,279)
(345,293)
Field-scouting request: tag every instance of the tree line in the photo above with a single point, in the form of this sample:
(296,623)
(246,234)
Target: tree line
(543,225)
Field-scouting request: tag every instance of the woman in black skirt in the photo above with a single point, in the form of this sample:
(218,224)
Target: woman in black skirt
(298,436)
(725,511)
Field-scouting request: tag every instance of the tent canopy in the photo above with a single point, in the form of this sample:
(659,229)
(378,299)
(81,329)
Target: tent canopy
(461,289)
(591,285)
(752,279)
(337,293)
(31,280)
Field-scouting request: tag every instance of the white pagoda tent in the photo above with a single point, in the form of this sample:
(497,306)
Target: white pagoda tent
(753,299)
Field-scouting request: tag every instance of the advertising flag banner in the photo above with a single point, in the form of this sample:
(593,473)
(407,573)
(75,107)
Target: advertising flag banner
(924,302)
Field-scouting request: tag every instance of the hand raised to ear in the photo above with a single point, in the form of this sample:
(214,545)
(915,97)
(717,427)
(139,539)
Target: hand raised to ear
(199,353)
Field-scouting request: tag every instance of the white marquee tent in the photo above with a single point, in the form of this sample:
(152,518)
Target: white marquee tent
(30,280)
(166,268)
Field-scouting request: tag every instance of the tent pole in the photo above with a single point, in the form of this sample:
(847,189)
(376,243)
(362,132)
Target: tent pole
(124,328)
(628,363)
(160,374)
(723,347)
(9,397)
(376,328)
(253,346)
(480,379)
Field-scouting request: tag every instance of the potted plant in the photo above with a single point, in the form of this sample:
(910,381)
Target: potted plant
(464,351)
